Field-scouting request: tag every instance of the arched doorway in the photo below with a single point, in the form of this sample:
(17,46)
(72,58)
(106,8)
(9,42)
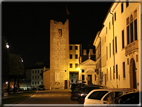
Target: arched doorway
(133,82)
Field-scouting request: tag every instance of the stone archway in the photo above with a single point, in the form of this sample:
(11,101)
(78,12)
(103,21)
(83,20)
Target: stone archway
(133,82)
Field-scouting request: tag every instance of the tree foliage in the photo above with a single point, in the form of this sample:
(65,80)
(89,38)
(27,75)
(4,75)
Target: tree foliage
(5,58)
(16,65)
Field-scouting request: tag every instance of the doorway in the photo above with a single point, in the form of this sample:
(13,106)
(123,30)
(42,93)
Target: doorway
(89,79)
(133,82)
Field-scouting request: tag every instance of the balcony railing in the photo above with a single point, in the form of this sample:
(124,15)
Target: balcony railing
(132,47)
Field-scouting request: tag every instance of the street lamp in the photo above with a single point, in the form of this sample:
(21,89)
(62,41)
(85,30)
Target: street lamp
(7,46)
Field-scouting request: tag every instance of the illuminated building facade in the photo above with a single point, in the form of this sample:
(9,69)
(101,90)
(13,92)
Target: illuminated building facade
(120,46)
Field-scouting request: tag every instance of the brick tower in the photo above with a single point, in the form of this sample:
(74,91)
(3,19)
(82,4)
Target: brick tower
(59,54)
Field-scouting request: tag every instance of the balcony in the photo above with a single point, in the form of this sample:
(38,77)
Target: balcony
(132,47)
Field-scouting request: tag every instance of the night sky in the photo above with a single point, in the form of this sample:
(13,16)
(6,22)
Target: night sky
(26,26)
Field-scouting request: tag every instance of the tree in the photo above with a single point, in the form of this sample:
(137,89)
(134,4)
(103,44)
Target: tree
(16,68)
(5,62)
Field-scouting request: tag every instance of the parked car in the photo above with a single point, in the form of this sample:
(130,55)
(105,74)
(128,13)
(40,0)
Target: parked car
(104,96)
(41,87)
(130,98)
(76,86)
(80,92)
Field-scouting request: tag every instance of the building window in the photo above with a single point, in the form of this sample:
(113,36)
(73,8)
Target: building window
(82,70)
(127,35)
(60,32)
(116,44)
(76,56)
(32,82)
(76,47)
(70,65)
(116,71)
(76,65)
(127,61)
(38,82)
(35,82)
(115,16)
(42,83)
(70,56)
(109,25)
(70,47)
(107,75)
(82,77)
(107,53)
(38,71)
(121,7)
(71,80)
(113,72)
(122,39)
(110,73)
(135,28)
(33,71)
(112,20)
(110,49)
(136,58)
(38,77)
(131,28)
(113,46)
(33,77)
(127,3)
(123,69)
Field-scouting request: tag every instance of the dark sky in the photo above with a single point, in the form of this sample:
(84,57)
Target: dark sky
(26,25)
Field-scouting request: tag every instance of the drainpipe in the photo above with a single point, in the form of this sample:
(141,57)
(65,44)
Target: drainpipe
(113,43)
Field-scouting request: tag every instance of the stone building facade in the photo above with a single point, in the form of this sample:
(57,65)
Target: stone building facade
(59,54)
(120,49)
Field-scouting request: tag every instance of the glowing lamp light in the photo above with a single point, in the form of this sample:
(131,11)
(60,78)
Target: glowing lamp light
(7,46)
(6,82)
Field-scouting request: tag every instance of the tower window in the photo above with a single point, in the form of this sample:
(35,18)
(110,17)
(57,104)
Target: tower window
(60,32)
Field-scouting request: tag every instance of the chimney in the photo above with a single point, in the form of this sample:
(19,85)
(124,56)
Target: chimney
(84,52)
(91,51)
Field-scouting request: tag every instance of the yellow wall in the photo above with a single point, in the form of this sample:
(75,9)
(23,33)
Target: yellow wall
(46,79)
